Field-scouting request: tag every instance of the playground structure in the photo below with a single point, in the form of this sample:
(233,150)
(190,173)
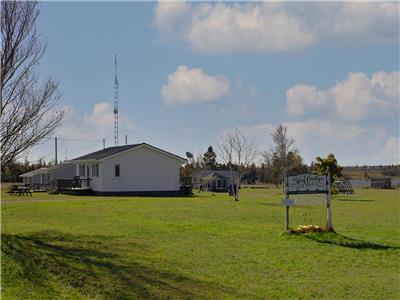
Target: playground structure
(343,186)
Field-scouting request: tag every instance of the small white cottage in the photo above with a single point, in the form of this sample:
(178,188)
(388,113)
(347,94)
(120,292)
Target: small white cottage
(40,178)
(138,169)
(35,177)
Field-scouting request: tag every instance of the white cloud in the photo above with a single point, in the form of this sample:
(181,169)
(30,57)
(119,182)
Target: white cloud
(302,97)
(101,118)
(242,27)
(351,143)
(274,26)
(186,86)
(391,150)
(352,99)
(370,21)
(85,134)
(168,16)
(224,28)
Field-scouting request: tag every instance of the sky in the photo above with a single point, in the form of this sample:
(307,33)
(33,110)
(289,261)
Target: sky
(190,71)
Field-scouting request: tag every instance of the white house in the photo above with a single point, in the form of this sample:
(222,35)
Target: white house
(39,178)
(35,177)
(138,169)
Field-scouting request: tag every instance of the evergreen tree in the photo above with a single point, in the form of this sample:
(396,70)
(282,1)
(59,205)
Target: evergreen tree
(330,163)
(209,159)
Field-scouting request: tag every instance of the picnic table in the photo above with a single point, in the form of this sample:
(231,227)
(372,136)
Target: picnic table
(20,190)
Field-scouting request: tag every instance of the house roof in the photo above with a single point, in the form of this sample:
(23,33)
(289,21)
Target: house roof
(59,166)
(34,172)
(45,170)
(379,179)
(223,173)
(105,152)
(213,176)
(117,149)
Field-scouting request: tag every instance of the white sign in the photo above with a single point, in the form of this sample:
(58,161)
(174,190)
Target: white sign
(306,183)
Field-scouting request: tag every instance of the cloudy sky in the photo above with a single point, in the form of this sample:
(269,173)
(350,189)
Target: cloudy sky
(189,72)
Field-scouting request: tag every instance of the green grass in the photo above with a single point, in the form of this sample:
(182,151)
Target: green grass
(206,246)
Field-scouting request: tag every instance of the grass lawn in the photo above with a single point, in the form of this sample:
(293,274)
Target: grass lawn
(206,246)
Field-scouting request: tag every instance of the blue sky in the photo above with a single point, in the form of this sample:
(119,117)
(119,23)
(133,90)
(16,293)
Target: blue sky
(189,72)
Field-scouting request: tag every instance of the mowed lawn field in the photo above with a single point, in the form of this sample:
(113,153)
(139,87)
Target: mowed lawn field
(201,247)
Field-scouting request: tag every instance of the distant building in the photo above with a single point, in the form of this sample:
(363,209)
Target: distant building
(35,177)
(381,183)
(40,178)
(214,180)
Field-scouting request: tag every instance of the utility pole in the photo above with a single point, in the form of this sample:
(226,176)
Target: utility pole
(55,146)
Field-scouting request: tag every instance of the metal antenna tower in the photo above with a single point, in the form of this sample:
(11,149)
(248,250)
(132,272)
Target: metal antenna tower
(116,103)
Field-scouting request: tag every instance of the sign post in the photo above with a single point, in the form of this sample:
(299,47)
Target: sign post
(328,202)
(307,184)
(286,204)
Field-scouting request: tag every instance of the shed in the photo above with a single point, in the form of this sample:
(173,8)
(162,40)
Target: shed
(381,183)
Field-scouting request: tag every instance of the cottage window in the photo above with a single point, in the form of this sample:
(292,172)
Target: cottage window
(95,170)
(82,170)
(219,183)
(116,170)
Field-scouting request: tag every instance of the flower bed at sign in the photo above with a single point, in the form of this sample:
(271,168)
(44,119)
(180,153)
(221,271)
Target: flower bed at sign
(302,229)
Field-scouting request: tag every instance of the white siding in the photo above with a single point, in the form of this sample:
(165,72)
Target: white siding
(36,179)
(96,183)
(141,169)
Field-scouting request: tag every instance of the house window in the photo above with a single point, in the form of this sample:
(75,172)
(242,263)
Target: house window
(82,170)
(219,184)
(95,170)
(87,171)
(116,170)
(224,184)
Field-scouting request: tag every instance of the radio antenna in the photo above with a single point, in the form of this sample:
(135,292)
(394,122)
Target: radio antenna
(116,84)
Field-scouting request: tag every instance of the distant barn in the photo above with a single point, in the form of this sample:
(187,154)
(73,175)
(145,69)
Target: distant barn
(381,183)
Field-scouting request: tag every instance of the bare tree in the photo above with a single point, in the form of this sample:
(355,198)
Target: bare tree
(28,108)
(238,153)
(279,158)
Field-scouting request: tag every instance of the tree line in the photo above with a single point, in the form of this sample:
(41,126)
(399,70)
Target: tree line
(13,169)
(237,153)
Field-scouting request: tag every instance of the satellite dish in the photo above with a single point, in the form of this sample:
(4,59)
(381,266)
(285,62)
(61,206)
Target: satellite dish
(189,155)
